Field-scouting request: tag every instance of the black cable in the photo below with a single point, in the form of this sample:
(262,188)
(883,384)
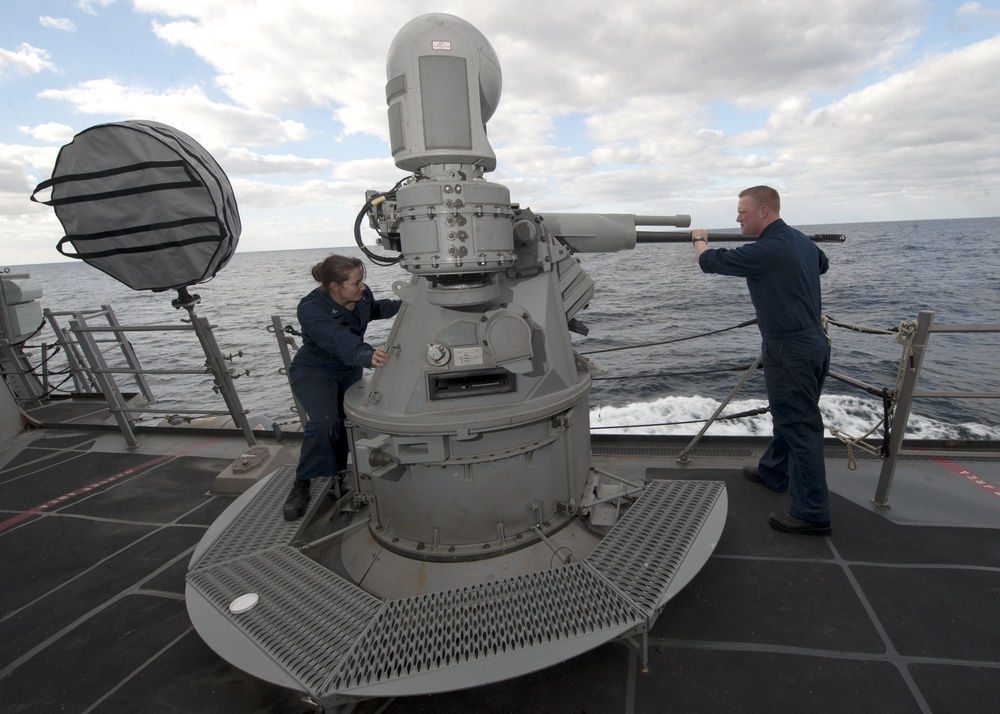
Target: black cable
(744,368)
(55,388)
(37,330)
(377,259)
(388,195)
(58,349)
(667,342)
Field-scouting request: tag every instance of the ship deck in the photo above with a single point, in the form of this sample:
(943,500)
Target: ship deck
(894,612)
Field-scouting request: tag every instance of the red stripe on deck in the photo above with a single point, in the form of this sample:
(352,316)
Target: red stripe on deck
(103,482)
(969,476)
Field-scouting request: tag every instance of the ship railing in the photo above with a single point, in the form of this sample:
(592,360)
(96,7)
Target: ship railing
(79,371)
(897,402)
(286,343)
(82,346)
(908,392)
(685,455)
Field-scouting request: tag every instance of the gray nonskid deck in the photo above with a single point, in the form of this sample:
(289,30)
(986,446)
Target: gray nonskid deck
(338,641)
(900,613)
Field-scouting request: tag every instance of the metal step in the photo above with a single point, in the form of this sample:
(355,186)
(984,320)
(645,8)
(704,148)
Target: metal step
(643,552)
(258,520)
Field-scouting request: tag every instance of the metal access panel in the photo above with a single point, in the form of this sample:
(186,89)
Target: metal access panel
(456,385)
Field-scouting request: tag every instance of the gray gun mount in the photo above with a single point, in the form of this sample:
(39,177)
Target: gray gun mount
(474,441)
(479,543)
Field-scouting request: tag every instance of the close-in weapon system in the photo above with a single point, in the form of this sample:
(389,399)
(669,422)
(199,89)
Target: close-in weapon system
(475,439)
(478,542)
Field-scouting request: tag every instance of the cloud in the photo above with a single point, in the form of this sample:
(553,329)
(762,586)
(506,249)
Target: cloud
(240,160)
(52,132)
(57,23)
(602,55)
(908,135)
(21,167)
(28,231)
(646,107)
(310,193)
(281,58)
(899,146)
(285,56)
(344,187)
(27,60)
(91,6)
(212,124)
(639,76)
(976,10)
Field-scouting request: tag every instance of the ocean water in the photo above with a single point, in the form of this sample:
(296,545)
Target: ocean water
(648,327)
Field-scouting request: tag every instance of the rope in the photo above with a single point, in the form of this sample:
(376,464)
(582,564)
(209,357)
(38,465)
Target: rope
(827,320)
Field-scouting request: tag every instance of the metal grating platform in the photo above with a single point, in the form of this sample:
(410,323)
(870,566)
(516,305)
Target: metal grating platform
(496,621)
(340,642)
(307,618)
(262,524)
(642,552)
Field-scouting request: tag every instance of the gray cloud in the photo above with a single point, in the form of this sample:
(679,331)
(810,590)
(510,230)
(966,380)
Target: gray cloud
(646,106)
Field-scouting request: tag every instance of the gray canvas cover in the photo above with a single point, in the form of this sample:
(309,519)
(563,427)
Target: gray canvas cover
(145,203)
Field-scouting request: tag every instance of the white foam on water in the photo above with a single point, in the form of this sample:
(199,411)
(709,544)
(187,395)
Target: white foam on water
(852,416)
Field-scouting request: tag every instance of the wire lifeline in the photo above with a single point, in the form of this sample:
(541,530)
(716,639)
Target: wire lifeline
(861,328)
(904,336)
(742,368)
(667,342)
(750,413)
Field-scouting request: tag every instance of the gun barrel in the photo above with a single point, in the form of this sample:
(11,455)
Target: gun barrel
(610,232)
(606,232)
(679,221)
(685,237)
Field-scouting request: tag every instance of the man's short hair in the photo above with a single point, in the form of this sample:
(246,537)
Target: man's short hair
(763,196)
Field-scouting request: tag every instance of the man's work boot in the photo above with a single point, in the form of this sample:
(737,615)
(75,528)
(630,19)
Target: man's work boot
(298,497)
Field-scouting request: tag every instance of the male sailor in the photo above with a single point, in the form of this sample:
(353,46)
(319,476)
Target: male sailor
(782,269)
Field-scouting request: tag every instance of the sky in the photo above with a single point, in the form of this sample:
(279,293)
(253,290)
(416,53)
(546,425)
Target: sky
(855,110)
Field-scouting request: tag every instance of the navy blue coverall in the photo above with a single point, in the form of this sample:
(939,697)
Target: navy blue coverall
(782,269)
(331,359)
